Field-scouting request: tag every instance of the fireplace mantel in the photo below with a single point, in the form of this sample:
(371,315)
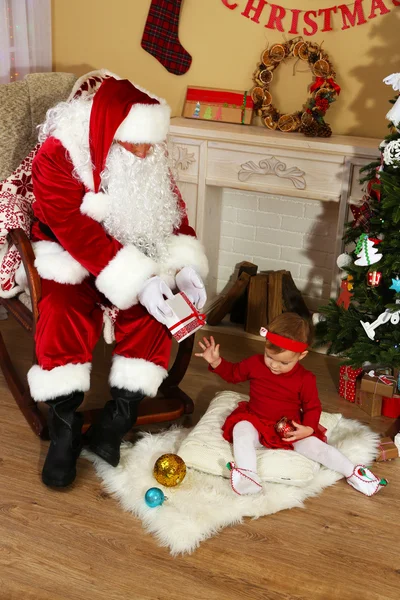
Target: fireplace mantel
(210,156)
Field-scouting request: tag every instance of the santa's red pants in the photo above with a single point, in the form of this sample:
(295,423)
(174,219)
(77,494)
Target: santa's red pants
(69,326)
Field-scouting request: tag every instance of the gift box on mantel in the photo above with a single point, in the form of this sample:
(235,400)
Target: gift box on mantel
(347,382)
(186,319)
(218,105)
(387,450)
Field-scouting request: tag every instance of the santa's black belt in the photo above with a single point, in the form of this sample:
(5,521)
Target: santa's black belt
(47,231)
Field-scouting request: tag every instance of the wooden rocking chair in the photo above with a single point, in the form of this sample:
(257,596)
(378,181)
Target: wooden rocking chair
(173,404)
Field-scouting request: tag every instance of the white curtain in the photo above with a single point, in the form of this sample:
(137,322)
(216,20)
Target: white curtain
(25,38)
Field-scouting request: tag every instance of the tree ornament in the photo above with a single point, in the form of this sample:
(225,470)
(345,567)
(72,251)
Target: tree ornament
(350,284)
(284,427)
(393,317)
(391,153)
(318,318)
(394,113)
(394,81)
(361,214)
(367,254)
(395,284)
(154,497)
(342,261)
(169,470)
(345,295)
(324,90)
(374,278)
(373,187)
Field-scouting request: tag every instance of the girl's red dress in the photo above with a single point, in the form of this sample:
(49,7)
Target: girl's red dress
(293,395)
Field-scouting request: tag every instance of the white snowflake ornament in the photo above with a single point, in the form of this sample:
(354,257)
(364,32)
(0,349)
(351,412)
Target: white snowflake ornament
(391,154)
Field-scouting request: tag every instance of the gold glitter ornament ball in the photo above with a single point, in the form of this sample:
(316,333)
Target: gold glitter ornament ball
(169,470)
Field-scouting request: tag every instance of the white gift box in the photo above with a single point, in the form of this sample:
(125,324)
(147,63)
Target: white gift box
(186,319)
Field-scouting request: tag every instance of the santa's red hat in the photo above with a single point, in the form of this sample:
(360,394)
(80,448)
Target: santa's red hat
(126,113)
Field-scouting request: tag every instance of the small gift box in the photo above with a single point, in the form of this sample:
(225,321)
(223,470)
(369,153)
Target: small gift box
(186,319)
(218,105)
(347,382)
(382,385)
(387,450)
(391,406)
(368,402)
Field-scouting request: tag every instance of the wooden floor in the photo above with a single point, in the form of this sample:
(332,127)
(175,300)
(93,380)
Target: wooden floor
(79,544)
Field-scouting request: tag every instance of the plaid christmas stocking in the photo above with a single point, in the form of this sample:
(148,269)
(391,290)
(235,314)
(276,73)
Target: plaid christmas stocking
(160,36)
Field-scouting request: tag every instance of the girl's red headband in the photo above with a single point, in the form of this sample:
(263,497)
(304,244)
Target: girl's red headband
(283,342)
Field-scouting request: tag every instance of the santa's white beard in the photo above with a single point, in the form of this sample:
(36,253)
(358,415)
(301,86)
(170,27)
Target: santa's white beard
(144,210)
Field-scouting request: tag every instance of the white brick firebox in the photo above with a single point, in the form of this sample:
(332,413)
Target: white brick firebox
(279,200)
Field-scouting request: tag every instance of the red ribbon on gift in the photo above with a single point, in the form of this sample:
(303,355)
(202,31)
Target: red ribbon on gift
(201,317)
(382,449)
(241,100)
(320,81)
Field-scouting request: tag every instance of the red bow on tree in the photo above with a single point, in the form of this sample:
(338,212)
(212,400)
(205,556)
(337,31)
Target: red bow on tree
(361,215)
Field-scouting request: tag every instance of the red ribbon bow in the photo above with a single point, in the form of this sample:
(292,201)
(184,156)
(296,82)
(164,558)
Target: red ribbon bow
(320,81)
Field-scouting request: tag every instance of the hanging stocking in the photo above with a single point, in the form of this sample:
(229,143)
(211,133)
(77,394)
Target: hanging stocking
(160,36)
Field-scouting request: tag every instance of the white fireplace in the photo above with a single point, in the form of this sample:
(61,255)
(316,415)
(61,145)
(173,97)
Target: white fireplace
(277,199)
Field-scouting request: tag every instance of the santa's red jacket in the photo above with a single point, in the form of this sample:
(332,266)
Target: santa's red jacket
(71,243)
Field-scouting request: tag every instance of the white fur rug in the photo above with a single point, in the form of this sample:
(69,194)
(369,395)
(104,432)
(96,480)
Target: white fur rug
(203,504)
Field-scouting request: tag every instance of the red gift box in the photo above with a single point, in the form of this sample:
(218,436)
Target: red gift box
(229,106)
(391,406)
(347,382)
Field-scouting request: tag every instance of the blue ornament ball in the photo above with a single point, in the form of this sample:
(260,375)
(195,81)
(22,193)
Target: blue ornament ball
(154,497)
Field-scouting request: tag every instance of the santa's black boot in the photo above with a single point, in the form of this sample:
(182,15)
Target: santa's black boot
(65,427)
(116,419)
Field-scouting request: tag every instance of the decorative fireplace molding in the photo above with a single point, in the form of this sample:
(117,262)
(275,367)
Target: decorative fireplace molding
(182,158)
(210,156)
(273,166)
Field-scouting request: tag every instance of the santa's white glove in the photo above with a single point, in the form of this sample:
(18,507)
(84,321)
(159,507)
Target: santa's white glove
(151,296)
(190,282)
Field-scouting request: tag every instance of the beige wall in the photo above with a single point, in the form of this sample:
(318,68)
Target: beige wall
(225,46)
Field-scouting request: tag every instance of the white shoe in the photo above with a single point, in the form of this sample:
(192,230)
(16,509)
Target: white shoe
(364,481)
(244,481)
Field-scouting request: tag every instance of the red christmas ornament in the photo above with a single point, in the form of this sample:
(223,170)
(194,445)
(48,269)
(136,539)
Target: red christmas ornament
(374,192)
(374,278)
(284,426)
(361,215)
(345,295)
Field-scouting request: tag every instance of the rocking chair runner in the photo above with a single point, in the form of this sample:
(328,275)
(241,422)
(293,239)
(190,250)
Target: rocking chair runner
(173,405)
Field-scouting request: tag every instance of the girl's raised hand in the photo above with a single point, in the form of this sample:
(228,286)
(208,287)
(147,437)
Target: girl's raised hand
(210,352)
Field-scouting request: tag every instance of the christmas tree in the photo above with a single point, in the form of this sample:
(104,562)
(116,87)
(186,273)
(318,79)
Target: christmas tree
(208,113)
(363,325)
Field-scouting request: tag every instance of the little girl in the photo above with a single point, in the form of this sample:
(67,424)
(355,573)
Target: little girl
(279,387)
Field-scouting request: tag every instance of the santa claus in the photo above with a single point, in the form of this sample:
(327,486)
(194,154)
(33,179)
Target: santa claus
(111,228)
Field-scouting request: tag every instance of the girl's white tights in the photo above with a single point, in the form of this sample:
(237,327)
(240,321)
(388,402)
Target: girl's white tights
(246,442)
(325,455)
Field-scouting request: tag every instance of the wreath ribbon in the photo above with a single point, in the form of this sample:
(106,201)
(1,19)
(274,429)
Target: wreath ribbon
(319,82)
